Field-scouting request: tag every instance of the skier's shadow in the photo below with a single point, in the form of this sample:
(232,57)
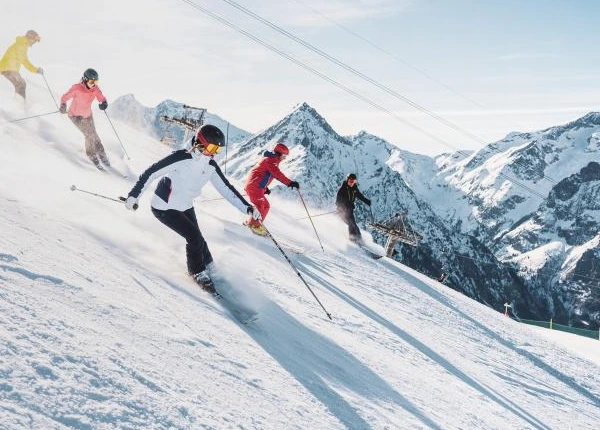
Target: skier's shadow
(502,401)
(321,365)
(567,380)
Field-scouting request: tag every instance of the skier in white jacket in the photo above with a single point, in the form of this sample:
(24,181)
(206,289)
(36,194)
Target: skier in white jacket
(183,174)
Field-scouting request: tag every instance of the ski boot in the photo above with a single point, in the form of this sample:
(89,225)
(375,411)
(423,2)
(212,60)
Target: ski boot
(204,281)
(257,229)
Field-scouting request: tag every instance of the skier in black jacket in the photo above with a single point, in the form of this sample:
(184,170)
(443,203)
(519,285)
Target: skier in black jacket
(344,202)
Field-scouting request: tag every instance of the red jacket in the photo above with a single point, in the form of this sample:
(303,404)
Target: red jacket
(82,99)
(265,170)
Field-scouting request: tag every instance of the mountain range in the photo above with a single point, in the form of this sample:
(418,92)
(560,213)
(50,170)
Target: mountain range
(514,222)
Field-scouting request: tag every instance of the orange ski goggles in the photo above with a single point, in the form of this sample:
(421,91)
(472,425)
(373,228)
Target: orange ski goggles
(211,148)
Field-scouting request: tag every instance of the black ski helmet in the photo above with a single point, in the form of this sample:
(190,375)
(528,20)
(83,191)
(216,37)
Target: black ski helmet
(90,74)
(208,134)
(351,176)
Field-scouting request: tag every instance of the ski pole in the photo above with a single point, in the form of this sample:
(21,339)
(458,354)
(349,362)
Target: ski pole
(297,272)
(314,216)
(50,91)
(29,117)
(217,198)
(117,134)
(226,145)
(119,200)
(309,217)
(372,217)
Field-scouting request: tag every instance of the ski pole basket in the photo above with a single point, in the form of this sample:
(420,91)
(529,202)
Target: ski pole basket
(397,229)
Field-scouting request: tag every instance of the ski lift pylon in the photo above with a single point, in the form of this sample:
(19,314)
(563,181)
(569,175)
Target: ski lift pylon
(397,229)
(189,122)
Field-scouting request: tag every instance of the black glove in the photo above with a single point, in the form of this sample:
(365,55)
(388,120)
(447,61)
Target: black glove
(368,202)
(103,105)
(267,191)
(294,184)
(63,108)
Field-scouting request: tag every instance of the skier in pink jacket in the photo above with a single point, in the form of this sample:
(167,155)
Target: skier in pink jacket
(82,95)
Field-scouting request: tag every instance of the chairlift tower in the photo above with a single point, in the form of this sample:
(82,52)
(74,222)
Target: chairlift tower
(192,119)
(397,230)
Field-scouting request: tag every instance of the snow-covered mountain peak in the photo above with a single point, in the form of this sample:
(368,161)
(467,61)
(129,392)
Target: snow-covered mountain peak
(303,121)
(591,119)
(127,109)
(372,145)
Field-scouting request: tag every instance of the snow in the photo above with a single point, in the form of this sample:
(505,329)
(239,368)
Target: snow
(531,263)
(593,143)
(576,253)
(585,347)
(101,329)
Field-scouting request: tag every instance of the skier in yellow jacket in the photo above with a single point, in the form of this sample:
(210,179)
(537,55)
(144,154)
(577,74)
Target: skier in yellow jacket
(16,56)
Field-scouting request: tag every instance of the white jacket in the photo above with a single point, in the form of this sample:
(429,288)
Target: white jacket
(184,175)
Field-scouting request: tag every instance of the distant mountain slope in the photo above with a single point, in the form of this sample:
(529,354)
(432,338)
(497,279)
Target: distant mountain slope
(506,180)
(562,238)
(129,110)
(533,197)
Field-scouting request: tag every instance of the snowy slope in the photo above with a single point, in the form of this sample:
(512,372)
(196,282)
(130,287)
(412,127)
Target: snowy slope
(100,329)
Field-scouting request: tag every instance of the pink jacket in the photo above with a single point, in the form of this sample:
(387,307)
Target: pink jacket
(82,96)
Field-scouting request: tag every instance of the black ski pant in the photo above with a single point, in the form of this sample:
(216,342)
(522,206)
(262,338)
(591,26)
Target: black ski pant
(185,224)
(347,215)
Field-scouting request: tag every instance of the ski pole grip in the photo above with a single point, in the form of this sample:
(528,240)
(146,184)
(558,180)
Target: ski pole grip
(124,199)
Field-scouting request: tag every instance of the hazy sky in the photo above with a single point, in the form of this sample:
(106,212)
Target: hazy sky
(488,67)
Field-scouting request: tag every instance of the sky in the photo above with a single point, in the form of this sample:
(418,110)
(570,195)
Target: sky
(483,68)
(100,327)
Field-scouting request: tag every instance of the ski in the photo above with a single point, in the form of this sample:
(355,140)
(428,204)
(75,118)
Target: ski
(111,169)
(241,313)
(292,247)
(370,253)
(227,297)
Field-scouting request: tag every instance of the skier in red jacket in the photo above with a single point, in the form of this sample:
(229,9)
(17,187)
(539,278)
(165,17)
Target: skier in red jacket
(257,184)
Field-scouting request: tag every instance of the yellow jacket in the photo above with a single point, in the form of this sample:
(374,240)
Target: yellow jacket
(16,55)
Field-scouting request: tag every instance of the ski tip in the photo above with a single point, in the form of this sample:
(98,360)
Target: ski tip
(370,253)
(250,320)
